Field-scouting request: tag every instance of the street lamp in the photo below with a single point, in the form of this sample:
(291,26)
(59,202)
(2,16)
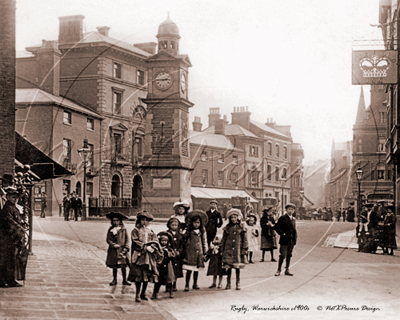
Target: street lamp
(283,181)
(359,173)
(84,153)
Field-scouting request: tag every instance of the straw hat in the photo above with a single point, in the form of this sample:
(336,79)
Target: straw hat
(234,212)
(118,215)
(199,213)
(144,214)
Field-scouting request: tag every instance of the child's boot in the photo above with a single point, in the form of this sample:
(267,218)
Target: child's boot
(143,295)
(195,277)
(228,279)
(188,273)
(174,287)
(237,279)
(171,291)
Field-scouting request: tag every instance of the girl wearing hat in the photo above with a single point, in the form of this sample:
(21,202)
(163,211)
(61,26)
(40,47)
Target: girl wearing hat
(195,246)
(118,247)
(181,209)
(146,253)
(165,269)
(177,245)
(268,238)
(252,235)
(234,246)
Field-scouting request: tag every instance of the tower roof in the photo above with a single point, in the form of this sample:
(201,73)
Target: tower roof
(361,113)
(168,27)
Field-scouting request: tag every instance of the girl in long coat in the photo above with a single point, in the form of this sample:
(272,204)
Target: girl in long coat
(234,246)
(268,238)
(177,245)
(146,253)
(118,247)
(390,231)
(195,247)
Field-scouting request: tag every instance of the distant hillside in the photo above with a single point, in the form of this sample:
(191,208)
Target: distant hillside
(314,182)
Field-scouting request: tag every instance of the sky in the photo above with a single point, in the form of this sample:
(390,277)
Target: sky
(287,60)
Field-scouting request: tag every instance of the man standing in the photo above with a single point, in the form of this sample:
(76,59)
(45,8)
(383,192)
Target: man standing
(214,221)
(73,207)
(286,228)
(44,205)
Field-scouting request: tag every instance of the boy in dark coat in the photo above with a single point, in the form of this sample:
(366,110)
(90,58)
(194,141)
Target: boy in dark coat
(214,221)
(286,228)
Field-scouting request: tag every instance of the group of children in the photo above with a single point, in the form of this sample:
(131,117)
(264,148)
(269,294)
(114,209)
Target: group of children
(161,258)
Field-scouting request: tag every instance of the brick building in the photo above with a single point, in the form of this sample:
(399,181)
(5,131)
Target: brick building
(127,100)
(369,150)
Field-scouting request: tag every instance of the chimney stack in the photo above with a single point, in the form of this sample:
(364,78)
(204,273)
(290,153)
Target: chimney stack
(48,63)
(213,116)
(241,116)
(197,124)
(103,30)
(71,29)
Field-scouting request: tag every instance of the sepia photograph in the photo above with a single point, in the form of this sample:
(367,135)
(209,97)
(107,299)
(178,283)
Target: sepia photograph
(174,160)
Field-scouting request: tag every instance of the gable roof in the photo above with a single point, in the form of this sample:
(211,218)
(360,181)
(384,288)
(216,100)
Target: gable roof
(211,140)
(267,128)
(233,130)
(37,96)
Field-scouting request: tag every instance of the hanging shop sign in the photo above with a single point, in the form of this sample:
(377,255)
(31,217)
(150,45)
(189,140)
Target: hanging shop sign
(374,67)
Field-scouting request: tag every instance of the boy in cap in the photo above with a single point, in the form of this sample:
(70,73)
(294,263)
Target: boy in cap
(286,228)
(214,221)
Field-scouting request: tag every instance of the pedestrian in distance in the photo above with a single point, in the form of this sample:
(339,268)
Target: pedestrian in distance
(195,246)
(177,245)
(165,268)
(78,207)
(286,228)
(390,231)
(73,211)
(234,246)
(118,247)
(214,221)
(252,235)
(181,209)
(146,253)
(43,202)
(214,255)
(66,206)
(268,237)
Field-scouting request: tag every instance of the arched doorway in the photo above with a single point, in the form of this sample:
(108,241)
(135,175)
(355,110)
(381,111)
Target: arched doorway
(137,191)
(78,189)
(115,189)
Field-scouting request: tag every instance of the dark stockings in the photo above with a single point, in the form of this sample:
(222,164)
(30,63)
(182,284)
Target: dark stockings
(251,257)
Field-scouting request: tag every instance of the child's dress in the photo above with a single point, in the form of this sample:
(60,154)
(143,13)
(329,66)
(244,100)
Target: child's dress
(165,267)
(177,246)
(215,265)
(194,248)
(117,257)
(234,246)
(144,263)
(252,238)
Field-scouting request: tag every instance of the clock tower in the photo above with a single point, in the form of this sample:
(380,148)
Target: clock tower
(166,162)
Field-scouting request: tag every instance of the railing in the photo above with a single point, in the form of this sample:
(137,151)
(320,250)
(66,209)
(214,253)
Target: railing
(103,205)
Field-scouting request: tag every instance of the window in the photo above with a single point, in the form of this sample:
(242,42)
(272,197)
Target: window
(276,173)
(117,144)
(296,181)
(67,149)
(221,158)
(254,151)
(90,124)
(269,169)
(139,147)
(235,160)
(254,179)
(117,98)
(269,148)
(204,156)
(220,178)
(381,172)
(285,152)
(277,150)
(140,77)
(117,70)
(389,174)
(235,178)
(382,117)
(381,144)
(67,119)
(90,160)
(359,144)
(89,189)
(284,173)
(204,176)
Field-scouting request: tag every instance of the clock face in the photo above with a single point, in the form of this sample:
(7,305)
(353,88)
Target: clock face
(163,80)
(183,83)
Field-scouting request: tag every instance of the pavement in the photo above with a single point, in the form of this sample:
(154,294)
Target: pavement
(69,280)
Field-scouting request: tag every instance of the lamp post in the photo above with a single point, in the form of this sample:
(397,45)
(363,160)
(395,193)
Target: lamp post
(283,181)
(84,153)
(359,173)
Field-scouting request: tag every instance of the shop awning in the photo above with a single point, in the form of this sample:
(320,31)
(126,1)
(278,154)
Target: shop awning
(41,164)
(215,193)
